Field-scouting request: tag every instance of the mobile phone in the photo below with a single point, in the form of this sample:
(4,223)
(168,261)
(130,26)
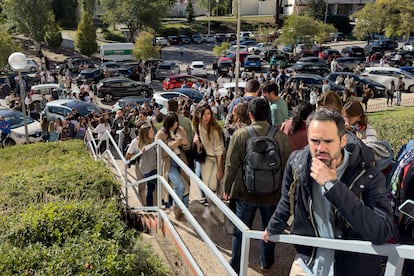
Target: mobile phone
(407,208)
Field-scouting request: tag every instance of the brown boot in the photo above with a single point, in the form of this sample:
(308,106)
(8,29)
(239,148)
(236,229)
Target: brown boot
(179,214)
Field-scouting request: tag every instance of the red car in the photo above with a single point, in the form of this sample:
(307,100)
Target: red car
(329,54)
(177,81)
(232,56)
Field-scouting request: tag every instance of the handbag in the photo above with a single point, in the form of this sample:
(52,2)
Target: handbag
(199,156)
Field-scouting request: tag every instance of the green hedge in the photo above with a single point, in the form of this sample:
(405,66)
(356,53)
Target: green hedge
(60,215)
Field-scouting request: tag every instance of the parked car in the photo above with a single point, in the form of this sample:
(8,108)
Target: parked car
(76,64)
(195,38)
(224,65)
(408,46)
(242,56)
(31,66)
(163,97)
(49,90)
(131,101)
(260,47)
(89,75)
(384,75)
(177,81)
(374,48)
(330,54)
(348,64)
(18,134)
(407,58)
(388,44)
(184,39)
(209,38)
(220,37)
(232,86)
(249,43)
(118,87)
(162,41)
(316,49)
(409,69)
(110,66)
(378,89)
(310,68)
(314,81)
(337,36)
(198,68)
(165,69)
(173,40)
(253,63)
(278,59)
(353,51)
(312,59)
(63,107)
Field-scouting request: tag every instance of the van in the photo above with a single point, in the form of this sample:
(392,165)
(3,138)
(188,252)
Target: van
(117,52)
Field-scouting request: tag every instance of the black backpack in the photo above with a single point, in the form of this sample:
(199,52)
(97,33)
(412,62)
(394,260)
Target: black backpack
(262,169)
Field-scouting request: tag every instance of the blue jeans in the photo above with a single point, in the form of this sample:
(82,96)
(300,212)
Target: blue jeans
(198,173)
(246,211)
(398,94)
(175,177)
(150,187)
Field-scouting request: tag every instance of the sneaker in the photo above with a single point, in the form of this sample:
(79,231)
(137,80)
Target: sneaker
(202,200)
(206,213)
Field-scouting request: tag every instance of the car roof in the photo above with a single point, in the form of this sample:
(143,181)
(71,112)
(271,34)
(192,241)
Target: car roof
(197,62)
(45,86)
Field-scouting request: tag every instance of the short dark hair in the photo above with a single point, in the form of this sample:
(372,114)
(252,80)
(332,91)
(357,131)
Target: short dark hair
(270,87)
(326,114)
(252,86)
(259,108)
(172,105)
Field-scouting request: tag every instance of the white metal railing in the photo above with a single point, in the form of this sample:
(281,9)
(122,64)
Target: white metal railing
(395,253)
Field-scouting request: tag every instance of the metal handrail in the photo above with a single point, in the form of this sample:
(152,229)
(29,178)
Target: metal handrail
(395,253)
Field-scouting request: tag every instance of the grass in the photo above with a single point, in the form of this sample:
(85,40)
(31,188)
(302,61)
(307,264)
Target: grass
(395,126)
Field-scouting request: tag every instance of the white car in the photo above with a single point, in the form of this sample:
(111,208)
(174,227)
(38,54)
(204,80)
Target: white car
(46,89)
(233,48)
(198,68)
(232,86)
(260,47)
(18,134)
(162,41)
(31,66)
(162,98)
(385,75)
(209,38)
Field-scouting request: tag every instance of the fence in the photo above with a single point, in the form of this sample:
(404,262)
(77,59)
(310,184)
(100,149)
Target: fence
(395,253)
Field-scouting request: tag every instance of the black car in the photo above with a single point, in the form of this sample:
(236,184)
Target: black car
(173,40)
(375,48)
(407,58)
(118,87)
(196,39)
(184,39)
(311,68)
(224,66)
(89,75)
(379,89)
(353,51)
(220,37)
(315,81)
(348,64)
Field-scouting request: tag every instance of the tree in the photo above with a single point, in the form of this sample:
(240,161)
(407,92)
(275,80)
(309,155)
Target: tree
(221,50)
(390,17)
(144,48)
(7,47)
(88,5)
(135,14)
(86,36)
(29,16)
(53,35)
(304,29)
(189,11)
(316,9)
(65,12)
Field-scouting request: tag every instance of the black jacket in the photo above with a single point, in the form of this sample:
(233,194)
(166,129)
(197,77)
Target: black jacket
(361,207)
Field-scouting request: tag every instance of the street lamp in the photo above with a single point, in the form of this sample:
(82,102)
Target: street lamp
(18,62)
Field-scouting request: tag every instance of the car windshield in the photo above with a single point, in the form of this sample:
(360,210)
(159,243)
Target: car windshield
(15,118)
(198,66)
(254,59)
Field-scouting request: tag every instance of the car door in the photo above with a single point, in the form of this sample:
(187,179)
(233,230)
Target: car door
(131,89)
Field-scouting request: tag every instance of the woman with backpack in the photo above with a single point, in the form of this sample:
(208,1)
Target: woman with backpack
(208,134)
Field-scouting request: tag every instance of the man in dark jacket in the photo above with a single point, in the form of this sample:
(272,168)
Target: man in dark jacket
(234,188)
(339,195)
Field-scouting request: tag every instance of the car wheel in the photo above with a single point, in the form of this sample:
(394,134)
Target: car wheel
(33,69)
(145,93)
(9,142)
(411,89)
(108,97)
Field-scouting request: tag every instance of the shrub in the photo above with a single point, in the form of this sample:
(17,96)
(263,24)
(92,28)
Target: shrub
(107,35)
(86,36)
